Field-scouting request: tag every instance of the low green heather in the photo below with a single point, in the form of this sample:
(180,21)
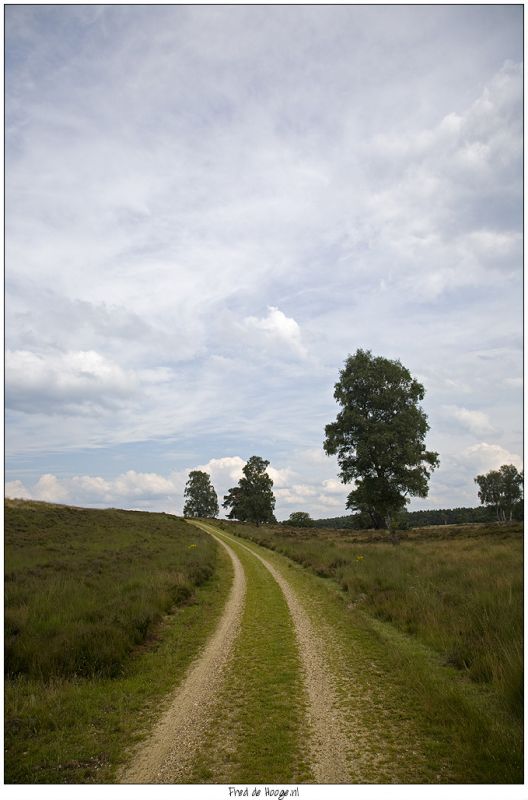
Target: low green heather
(456,591)
(83,587)
(104,611)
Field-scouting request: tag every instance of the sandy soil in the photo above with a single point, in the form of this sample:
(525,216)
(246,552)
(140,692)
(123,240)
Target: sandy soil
(166,755)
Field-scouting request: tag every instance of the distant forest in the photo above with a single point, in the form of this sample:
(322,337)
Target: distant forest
(417,519)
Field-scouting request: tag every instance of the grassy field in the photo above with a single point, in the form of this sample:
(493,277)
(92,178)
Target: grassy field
(457,591)
(104,610)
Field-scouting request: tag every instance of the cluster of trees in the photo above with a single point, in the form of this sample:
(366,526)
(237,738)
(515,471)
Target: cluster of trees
(379,439)
(252,500)
(502,490)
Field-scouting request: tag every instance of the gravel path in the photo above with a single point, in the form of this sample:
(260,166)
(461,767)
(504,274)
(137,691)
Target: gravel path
(166,755)
(328,739)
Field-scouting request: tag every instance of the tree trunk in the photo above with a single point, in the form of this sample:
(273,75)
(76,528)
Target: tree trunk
(394,535)
(377,520)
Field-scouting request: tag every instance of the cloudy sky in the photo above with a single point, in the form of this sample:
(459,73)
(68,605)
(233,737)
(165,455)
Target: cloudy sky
(208,208)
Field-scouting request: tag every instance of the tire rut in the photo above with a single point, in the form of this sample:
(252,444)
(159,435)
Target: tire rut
(167,754)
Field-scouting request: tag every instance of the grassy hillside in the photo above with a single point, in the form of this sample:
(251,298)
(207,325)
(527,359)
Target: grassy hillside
(102,610)
(458,590)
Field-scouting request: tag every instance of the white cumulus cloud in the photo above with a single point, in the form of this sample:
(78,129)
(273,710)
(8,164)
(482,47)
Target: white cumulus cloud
(484,456)
(50,489)
(221,468)
(476,422)
(16,489)
(278,329)
(55,381)
(335,487)
(137,484)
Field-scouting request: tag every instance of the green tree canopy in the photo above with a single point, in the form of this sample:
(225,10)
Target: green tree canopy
(502,489)
(252,500)
(201,498)
(300,519)
(379,436)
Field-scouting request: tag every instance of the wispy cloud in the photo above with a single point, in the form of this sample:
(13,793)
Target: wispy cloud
(476,422)
(205,214)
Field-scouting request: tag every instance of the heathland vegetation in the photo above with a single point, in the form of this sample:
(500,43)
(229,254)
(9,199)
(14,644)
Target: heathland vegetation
(88,601)
(84,587)
(457,590)
(106,609)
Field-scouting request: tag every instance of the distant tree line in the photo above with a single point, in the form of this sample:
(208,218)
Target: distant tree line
(418,519)
(500,492)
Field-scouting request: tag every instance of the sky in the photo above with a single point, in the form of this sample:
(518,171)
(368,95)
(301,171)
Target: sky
(208,208)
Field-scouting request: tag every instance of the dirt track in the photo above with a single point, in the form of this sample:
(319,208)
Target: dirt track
(328,740)
(165,756)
